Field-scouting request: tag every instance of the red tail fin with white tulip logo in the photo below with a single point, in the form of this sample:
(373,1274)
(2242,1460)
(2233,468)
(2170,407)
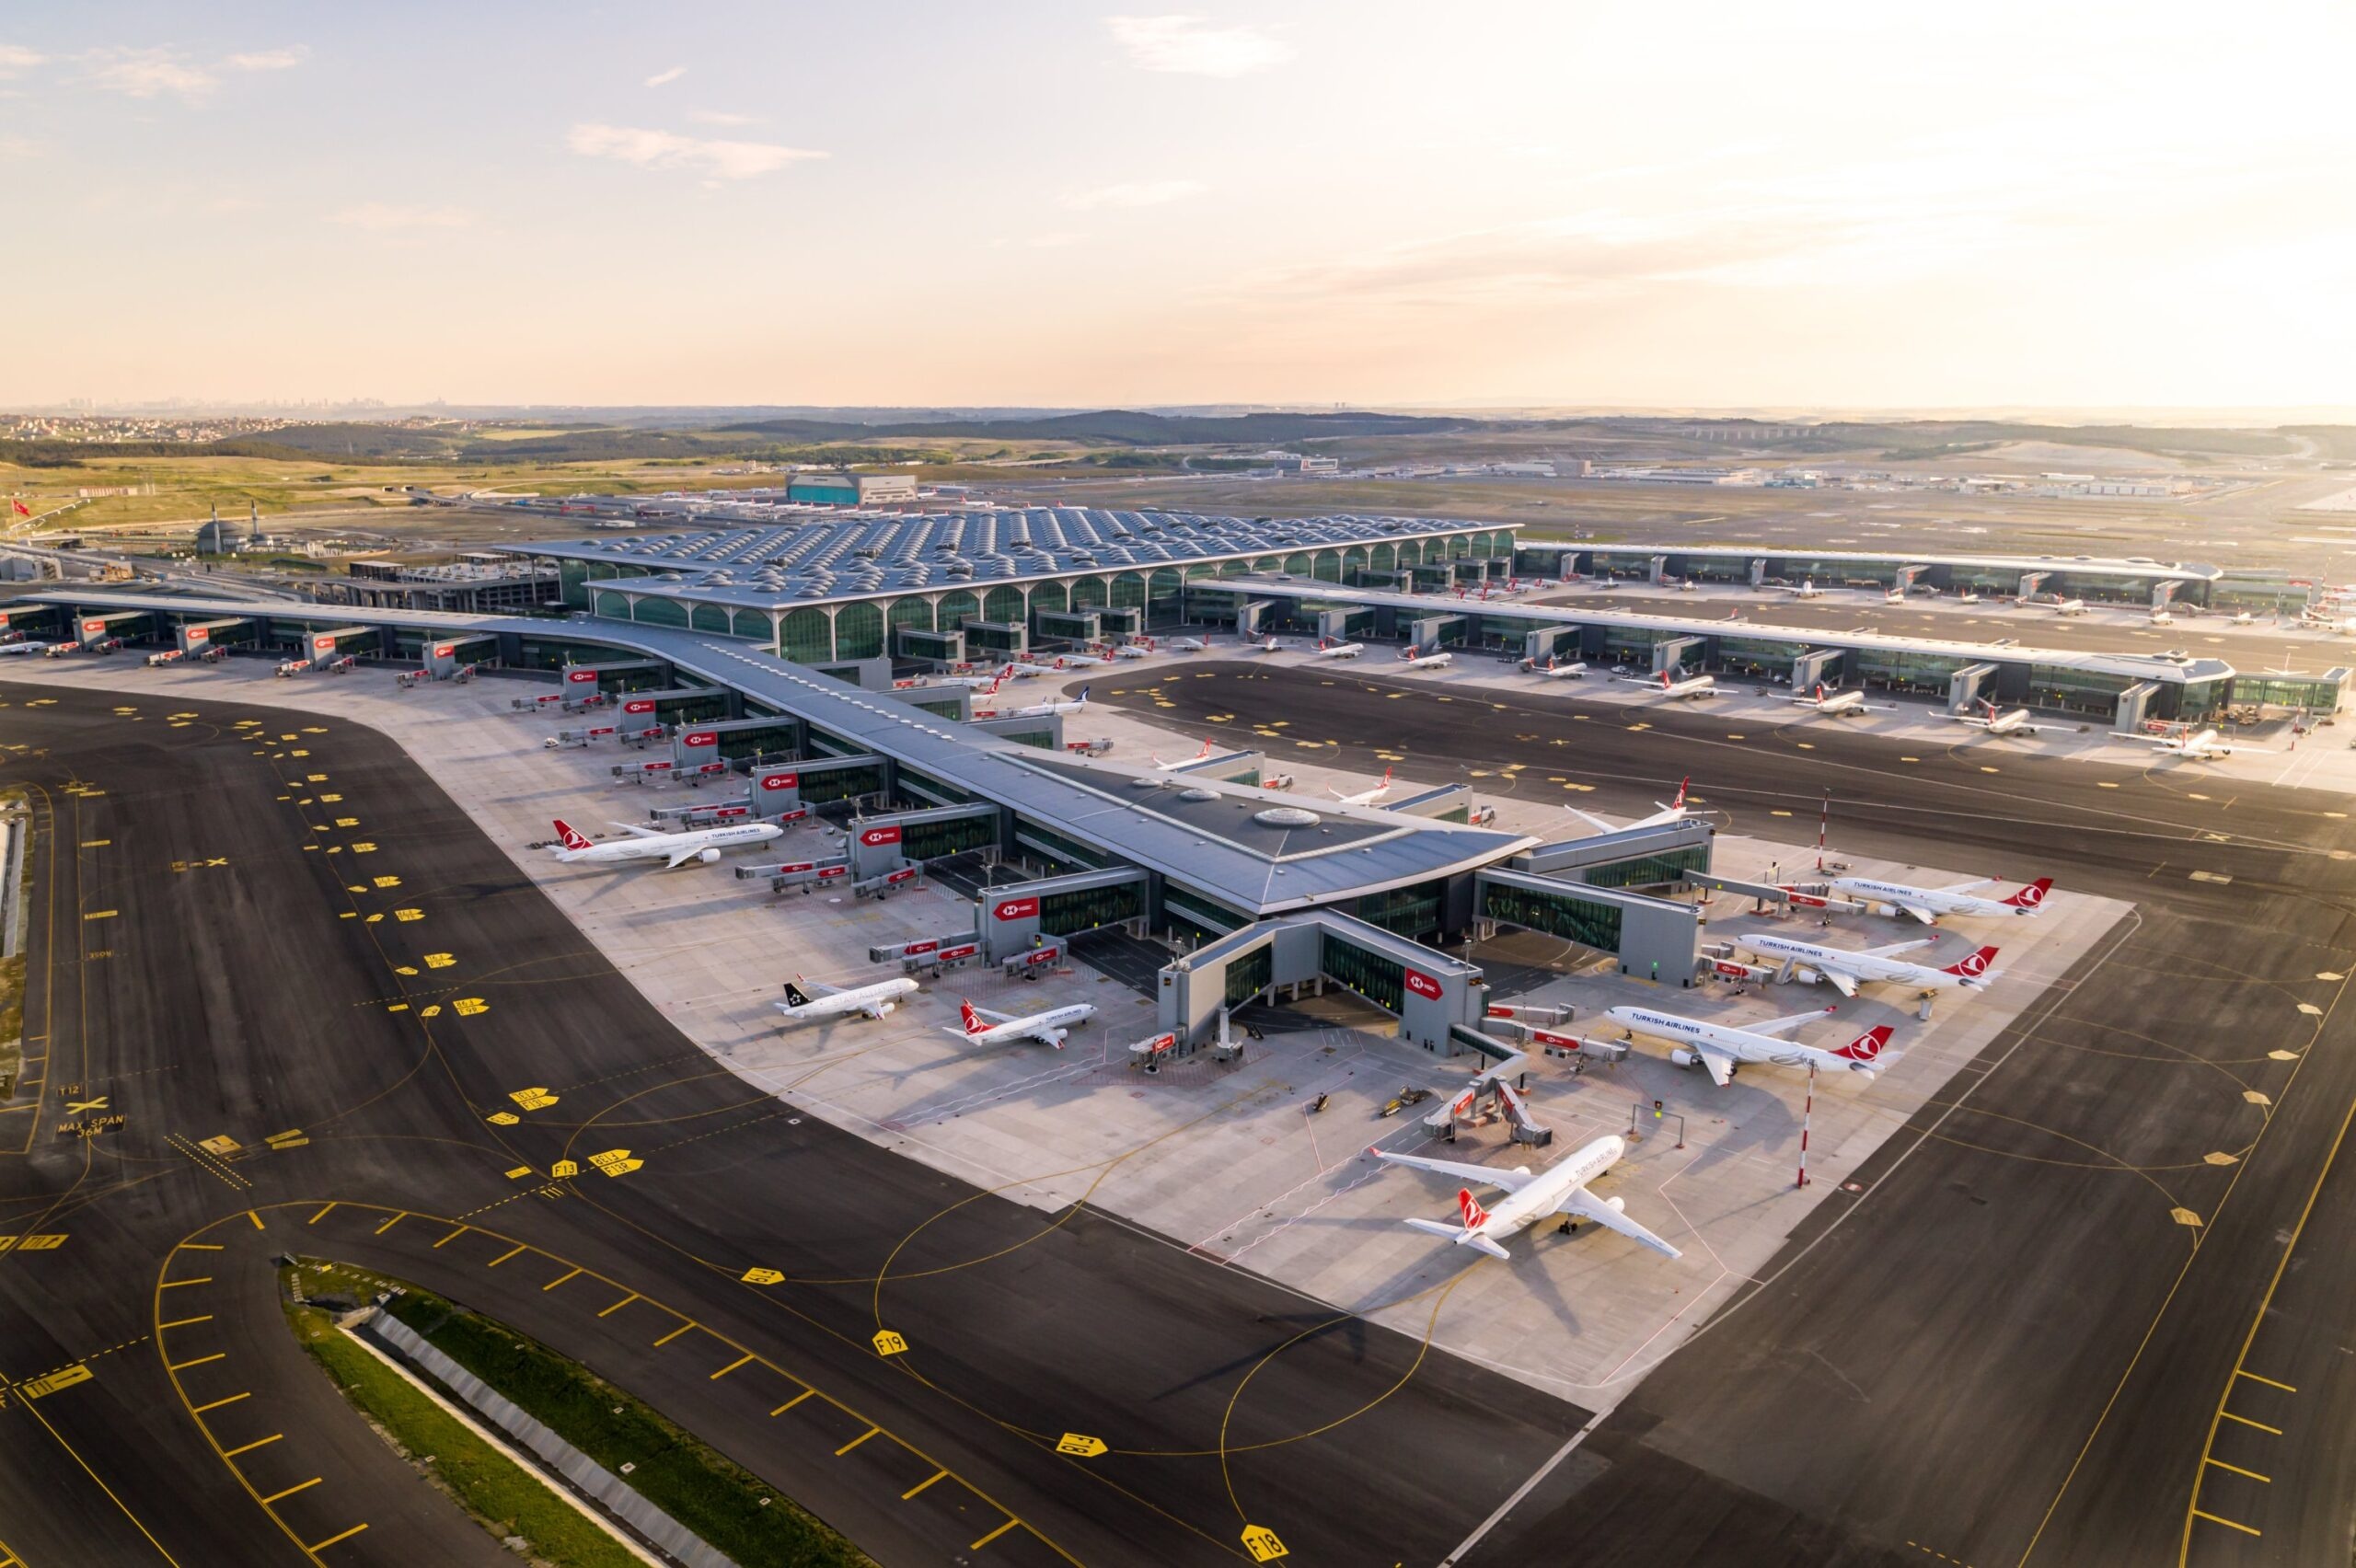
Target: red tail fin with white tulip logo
(1973,965)
(969,1018)
(1677,801)
(2033,894)
(1867,1047)
(1474,1215)
(571,837)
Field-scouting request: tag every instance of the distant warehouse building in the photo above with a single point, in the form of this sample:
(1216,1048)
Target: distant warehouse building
(850,490)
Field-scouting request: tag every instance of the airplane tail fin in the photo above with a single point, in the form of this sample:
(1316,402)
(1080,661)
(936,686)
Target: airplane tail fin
(969,1019)
(1386,776)
(1664,680)
(1677,801)
(2032,896)
(1083,695)
(1470,1206)
(571,837)
(1973,965)
(1867,1047)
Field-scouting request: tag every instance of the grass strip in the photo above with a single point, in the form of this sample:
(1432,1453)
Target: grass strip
(506,1499)
(725,1504)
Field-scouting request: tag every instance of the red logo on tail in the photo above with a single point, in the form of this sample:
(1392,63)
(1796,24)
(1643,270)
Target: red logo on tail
(571,837)
(1866,1046)
(2032,896)
(1474,1215)
(974,1025)
(1971,966)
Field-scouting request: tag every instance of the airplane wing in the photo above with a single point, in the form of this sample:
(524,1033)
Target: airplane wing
(1584,1205)
(1844,983)
(681,858)
(636,830)
(813,989)
(1928,917)
(1720,1065)
(1784,1025)
(1968,886)
(1600,826)
(1511,1181)
(1899,947)
(1456,1233)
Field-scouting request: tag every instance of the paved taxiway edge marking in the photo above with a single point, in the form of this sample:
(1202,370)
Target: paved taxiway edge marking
(746,1355)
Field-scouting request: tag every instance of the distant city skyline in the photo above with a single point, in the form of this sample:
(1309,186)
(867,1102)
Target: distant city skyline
(1846,208)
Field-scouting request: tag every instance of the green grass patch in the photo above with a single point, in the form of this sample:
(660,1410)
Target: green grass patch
(11,970)
(727,1506)
(502,1495)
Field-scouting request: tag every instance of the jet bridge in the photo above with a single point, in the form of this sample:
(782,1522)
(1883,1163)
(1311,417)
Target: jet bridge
(1964,686)
(195,637)
(1494,1091)
(1678,655)
(1015,917)
(616,676)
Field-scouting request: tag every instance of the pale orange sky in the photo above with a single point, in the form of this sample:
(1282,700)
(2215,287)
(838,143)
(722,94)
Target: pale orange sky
(1838,204)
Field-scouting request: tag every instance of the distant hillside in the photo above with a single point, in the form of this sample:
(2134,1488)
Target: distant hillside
(1120,427)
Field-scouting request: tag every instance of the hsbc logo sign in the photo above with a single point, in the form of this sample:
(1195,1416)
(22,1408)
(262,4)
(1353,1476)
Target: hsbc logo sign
(580,675)
(443,651)
(875,836)
(917,950)
(642,704)
(326,644)
(1016,909)
(1423,984)
(92,627)
(1548,1037)
(903,874)
(781,781)
(963,950)
(1042,955)
(829,873)
(700,738)
(197,634)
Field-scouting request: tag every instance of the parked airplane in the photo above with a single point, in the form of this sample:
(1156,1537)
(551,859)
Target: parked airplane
(1364,797)
(26,648)
(1328,648)
(1844,969)
(1434,660)
(1555,671)
(1806,590)
(1967,597)
(874,1001)
(2064,607)
(1040,710)
(1721,1048)
(2200,746)
(2160,617)
(2013,723)
(1530,1197)
(1186,645)
(1048,1028)
(2339,624)
(1266,645)
(988,683)
(1672,812)
(1838,702)
(1132,651)
(1197,757)
(675,849)
(1927,904)
(1686,687)
(1027,672)
(2245,618)
(1895,596)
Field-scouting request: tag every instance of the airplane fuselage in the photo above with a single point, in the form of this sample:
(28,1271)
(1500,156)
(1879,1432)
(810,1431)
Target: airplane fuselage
(874,1000)
(665,846)
(1860,966)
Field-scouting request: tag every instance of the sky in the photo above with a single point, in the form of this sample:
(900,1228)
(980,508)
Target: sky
(1789,207)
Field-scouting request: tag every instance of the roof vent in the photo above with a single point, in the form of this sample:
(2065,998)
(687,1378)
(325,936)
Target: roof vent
(1285,816)
(1198,793)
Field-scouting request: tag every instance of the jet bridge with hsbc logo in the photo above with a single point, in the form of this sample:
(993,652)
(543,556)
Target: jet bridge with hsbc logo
(195,637)
(777,737)
(879,845)
(124,624)
(1292,956)
(616,676)
(445,656)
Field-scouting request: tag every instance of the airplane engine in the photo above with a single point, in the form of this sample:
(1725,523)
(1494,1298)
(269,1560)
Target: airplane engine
(1682,1057)
(1804,976)
(882,1010)
(709,857)
(1056,1038)
(1617,1206)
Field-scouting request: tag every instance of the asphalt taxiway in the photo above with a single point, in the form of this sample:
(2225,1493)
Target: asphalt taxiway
(2087,1307)
(282,934)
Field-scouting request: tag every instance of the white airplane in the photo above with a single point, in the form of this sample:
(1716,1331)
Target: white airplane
(2013,723)
(1364,797)
(1040,710)
(1078,662)
(1967,597)
(1721,1048)
(1844,969)
(1327,648)
(1672,812)
(2339,624)
(875,1001)
(675,849)
(1197,757)
(989,682)
(1688,686)
(1412,660)
(1895,596)
(1806,590)
(2065,607)
(1836,703)
(1266,645)
(2161,618)
(2200,746)
(1555,671)
(1559,1189)
(1032,672)
(1048,1028)
(1927,904)
(1132,651)
(26,648)
(1185,645)
(2245,618)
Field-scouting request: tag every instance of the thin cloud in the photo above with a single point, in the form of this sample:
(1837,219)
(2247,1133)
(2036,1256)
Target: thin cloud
(721,117)
(16,149)
(1135,193)
(715,160)
(270,59)
(16,57)
(1190,46)
(664,78)
(386,217)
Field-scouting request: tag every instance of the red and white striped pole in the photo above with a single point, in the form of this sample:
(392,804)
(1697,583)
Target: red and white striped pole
(1807,1116)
